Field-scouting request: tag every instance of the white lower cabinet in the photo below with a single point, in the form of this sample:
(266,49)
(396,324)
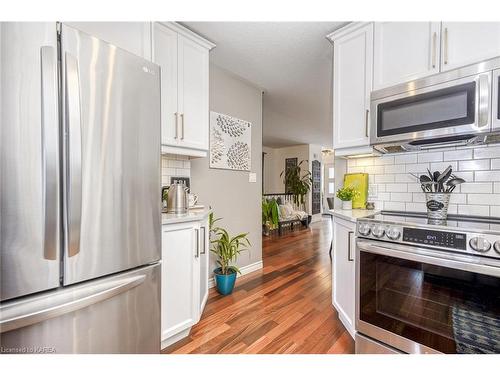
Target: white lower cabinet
(184,278)
(343,272)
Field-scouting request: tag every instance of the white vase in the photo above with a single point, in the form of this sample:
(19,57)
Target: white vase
(347,205)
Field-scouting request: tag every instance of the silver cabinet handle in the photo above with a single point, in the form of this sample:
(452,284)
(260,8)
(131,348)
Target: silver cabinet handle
(349,251)
(73,118)
(182,125)
(50,154)
(203,233)
(434,48)
(367,115)
(483,100)
(445,45)
(176,114)
(36,311)
(197,243)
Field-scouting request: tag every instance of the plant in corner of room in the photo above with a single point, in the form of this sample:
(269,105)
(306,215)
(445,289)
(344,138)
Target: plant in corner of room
(346,195)
(298,183)
(270,214)
(227,249)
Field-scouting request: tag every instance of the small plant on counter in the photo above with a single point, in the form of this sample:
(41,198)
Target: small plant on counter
(346,195)
(227,249)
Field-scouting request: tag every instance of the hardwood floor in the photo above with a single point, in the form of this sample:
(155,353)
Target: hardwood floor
(283,308)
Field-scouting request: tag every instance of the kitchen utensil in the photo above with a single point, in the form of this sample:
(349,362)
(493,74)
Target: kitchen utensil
(453,183)
(178,201)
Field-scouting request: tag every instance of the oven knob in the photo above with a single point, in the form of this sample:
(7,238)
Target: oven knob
(480,244)
(496,246)
(378,231)
(364,229)
(393,233)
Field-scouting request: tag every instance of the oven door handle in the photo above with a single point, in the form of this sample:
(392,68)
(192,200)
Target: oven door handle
(467,263)
(482,100)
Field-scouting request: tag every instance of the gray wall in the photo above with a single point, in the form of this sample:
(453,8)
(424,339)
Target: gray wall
(229,193)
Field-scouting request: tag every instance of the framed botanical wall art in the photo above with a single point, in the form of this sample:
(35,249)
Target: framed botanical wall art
(230,142)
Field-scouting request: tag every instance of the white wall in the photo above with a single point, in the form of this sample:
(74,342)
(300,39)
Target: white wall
(229,193)
(398,190)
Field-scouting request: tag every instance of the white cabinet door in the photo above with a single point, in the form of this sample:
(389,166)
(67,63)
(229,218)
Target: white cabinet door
(496,100)
(466,43)
(344,272)
(204,272)
(134,37)
(404,51)
(193,78)
(165,55)
(352,83)
(180,270)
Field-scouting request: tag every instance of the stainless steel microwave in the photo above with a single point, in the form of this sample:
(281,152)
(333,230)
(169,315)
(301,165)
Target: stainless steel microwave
(453,108)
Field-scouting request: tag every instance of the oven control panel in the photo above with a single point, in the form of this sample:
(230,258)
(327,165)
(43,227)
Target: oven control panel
(450,240)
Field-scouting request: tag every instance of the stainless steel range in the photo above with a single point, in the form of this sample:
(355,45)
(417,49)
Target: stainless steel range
(427,288)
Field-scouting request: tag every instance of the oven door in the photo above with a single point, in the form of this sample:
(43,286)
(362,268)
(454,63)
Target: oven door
(444,110)
(419,302)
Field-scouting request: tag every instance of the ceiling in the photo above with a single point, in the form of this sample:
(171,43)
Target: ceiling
(292,63)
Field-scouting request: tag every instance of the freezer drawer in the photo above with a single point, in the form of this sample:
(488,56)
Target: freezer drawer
(116,314)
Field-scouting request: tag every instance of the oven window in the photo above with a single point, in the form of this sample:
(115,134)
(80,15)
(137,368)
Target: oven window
(437,109)
(449,310)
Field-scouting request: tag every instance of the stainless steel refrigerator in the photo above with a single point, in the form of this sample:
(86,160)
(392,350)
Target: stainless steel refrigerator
(80,187)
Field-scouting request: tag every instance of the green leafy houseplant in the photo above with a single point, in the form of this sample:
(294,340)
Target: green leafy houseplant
(347,193)
(226,248)
(297,181)
(270,215)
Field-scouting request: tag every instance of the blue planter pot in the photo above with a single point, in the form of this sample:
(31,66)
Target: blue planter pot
(224,283)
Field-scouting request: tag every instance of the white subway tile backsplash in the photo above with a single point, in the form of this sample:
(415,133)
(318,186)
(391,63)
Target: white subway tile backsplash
(473,210)
(442,166)
(401,197)
(394,206)
(398,190)
(495,211)
(487,199)
(426,157)
(474,165)
(465,154)
(487,176)
(495,163)
(405,159)
(174,166)
(487,152)
(476,187)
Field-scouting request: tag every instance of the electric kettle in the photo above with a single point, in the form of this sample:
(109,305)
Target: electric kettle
(178,198)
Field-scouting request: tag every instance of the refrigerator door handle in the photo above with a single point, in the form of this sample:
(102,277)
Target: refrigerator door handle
(50,129)
(74,171)
(35,312)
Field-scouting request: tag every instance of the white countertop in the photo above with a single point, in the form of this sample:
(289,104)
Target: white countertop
(191,215)
(352,215)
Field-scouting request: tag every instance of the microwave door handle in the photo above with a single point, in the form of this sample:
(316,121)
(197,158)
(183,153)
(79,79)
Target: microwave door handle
(50,156)
(482,100)
(73,117)
(448,260)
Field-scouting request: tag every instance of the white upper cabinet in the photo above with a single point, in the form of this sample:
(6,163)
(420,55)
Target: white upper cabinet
(134,37)
(496,100)
(465,43)
(165,54)
(352,83)
(404,51)
(193,93)
(184,59)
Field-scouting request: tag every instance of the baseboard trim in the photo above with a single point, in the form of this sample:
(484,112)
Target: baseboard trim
(244,271)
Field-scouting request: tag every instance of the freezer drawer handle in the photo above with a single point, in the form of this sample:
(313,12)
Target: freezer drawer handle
(50,129)
(73,117)
(11,321)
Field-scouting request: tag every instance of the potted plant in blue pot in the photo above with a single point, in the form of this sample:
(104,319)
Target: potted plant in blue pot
(227,249)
